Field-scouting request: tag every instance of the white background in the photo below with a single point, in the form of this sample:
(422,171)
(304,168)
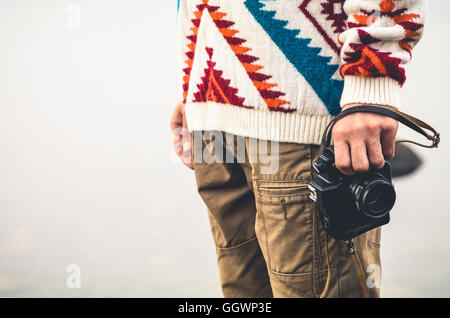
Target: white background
(87,175)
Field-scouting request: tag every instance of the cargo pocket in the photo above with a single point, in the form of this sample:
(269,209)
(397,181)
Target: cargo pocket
(285,224)
(292,244)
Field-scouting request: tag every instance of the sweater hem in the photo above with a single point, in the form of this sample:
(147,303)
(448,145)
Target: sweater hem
(260,124)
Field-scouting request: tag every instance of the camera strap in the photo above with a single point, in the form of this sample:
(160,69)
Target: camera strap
(408,120)
(359,269)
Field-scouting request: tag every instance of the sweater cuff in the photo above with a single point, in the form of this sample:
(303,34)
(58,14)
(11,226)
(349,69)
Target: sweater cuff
(374,90)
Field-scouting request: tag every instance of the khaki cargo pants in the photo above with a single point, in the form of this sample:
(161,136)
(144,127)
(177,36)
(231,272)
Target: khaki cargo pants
(267,233)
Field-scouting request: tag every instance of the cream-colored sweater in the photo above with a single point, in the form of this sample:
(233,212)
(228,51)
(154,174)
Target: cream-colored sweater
(280,69)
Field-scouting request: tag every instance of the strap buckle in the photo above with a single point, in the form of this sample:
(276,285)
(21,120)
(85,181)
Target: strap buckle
(436,140)
(350,247)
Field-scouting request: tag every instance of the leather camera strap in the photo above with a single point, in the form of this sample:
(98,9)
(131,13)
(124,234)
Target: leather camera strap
(408,120)
(359,269)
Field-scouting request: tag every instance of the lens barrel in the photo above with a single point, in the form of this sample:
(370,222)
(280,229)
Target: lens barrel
(374,197)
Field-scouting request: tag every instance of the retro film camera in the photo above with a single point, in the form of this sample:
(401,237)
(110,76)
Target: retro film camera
(351,206)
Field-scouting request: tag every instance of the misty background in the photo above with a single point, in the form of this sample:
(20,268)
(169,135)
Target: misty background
(88,176)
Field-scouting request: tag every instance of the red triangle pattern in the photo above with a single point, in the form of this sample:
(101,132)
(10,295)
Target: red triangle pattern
(215,88)
(260,80)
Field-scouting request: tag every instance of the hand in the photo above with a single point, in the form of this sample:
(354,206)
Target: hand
(182,139)
(363,140)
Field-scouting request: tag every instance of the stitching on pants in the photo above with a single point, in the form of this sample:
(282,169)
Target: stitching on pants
(376,245)
(239,245)
(287,275)
(265,233)
(283,203)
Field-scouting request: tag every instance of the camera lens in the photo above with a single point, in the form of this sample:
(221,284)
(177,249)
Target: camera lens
(375,198)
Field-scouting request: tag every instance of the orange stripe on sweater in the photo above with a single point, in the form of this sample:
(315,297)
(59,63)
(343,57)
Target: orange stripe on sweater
(240,49)
(406,46)
(263,85)
(191,46)
(228,32)
(217,15)
(220,90)
(198,14)
(275,102)
(251,68)
(405,18)
(411,34)
(366,55)
(360,19)
(189,62)
(375,61)
(387,6)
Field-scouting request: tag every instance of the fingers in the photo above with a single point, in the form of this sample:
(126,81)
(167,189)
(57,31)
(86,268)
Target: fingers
(352,158)
(182,140)
(375,153)
(176,120)
(358,157)
(371,139)
(350,148)
(354,154)
(176,123)
(187,152)
(342,158)
(358,152)
(187,144)
(388,140)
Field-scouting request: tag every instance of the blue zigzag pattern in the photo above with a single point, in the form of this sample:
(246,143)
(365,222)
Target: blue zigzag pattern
(314,68)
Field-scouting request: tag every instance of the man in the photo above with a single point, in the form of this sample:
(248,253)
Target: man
(279,71)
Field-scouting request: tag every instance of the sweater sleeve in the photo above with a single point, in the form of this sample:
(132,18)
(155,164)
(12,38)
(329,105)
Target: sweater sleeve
(378,41)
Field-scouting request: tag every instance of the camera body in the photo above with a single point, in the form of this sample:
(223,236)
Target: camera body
(351,205)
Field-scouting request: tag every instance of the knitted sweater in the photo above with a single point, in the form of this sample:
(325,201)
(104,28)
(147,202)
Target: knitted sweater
(280,69)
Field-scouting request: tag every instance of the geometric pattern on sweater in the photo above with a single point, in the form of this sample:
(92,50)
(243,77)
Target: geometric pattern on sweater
(332,11)
(272,98)
(309,62)
(215,88)
(365,60)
